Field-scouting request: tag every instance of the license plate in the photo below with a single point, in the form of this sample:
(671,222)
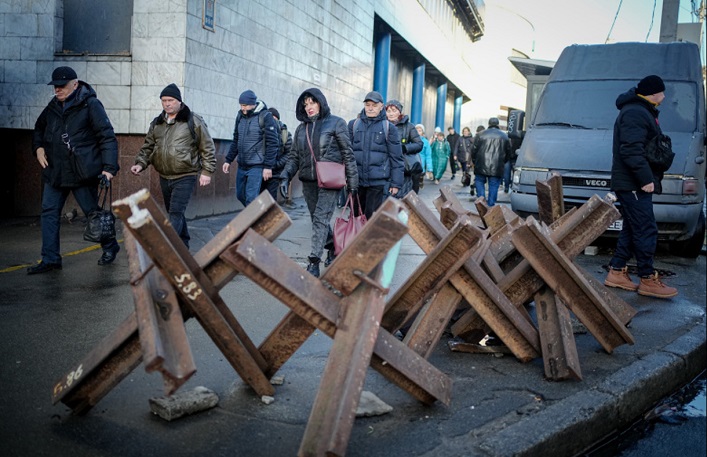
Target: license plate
(616,225)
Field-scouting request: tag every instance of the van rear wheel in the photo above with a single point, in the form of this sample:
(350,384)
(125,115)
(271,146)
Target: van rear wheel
(691,247)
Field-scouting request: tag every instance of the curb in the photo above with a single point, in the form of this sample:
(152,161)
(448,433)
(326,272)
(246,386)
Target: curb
(578,422)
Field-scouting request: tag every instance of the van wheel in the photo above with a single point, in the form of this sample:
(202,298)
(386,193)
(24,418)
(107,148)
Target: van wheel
(691,247)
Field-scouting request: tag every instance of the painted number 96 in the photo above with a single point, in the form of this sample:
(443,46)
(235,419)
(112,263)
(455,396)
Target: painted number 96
(189,287)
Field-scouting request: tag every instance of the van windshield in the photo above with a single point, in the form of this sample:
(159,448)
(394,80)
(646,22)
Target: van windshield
(592,105)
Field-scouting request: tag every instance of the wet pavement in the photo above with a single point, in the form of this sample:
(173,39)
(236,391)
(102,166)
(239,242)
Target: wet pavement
(499,407)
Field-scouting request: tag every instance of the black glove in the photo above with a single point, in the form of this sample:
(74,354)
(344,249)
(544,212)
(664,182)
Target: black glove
(405,149)
(284,188)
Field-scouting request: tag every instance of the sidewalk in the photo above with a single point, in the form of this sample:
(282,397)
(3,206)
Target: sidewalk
(500,407)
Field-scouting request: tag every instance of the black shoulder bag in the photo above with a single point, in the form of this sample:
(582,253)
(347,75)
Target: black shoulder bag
(101,222)
(659,152)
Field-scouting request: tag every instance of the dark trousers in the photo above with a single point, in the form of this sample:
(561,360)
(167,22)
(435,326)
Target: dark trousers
(639,235)
(271,185)
(452,164)
(371,199)
(176,194)
(416,178)
(53,200)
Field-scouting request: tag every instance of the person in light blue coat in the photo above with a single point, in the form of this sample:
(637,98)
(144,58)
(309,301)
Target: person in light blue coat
(425,154)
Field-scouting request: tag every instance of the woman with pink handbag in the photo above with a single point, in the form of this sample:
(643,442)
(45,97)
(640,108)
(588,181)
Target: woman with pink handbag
(320,138)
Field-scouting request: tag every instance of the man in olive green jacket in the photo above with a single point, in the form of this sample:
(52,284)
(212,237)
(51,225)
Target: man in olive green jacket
(179,146)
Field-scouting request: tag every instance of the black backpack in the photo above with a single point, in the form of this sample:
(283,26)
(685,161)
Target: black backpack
(659,153)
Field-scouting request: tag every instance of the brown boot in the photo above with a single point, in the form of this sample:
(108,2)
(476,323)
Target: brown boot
(652,286)
(620,279)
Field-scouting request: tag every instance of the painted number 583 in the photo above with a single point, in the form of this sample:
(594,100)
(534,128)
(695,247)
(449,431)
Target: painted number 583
(189,287)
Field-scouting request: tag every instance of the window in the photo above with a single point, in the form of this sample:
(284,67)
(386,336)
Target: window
(97,27)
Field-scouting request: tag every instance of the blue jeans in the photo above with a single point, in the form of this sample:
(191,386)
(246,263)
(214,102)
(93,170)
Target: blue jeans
(53,200)
(480,184)
(176,194)
(639,234)
(248,181)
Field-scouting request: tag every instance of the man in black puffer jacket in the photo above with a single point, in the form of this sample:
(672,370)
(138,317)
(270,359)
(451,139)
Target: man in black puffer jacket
(255,145)
(491,150)
(75,145)
(634,183)
(379,156)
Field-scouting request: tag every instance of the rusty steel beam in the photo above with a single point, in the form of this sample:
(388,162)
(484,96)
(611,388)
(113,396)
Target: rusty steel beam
(551,200)
(119,353)
(513,327)
(88,381)
(200,296)
(559,348)
(319,307)
(565,279)
(433,273)
(163,338)
(367,250)
(430,323)
(331,419)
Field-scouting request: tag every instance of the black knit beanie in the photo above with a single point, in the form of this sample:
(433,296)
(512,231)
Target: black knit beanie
(650,85)
(171,91)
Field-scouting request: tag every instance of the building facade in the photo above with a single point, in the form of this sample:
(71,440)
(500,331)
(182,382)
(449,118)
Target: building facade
(417,51)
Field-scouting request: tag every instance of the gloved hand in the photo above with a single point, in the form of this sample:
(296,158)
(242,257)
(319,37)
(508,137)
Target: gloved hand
(353,192)
(284,188)
(405,149)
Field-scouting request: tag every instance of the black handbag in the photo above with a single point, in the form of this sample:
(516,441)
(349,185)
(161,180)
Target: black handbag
(100,225)
(413,164)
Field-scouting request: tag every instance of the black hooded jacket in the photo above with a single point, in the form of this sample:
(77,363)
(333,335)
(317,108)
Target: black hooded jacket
(89,132)
(636,124)
(329,138)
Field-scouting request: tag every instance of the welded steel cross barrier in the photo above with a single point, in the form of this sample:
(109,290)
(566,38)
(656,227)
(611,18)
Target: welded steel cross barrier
(315,303)
(512,324)
(119,353)
(348,308)
(520,282)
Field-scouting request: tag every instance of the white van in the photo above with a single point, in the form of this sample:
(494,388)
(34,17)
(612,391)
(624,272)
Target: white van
(571,132)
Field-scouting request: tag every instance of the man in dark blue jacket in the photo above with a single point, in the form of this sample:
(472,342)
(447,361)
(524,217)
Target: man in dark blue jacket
(634,183)
(379,155)
(255,145)
(75,145)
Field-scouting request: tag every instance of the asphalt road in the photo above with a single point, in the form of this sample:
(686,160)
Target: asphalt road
(499,406)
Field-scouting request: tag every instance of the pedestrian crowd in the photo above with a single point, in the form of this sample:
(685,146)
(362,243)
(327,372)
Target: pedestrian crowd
(381,153)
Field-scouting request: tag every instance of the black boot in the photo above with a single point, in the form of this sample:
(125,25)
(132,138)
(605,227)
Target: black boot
(330,256)
(313,267)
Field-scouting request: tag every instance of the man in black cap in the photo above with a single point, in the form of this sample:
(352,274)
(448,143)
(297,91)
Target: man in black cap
(379,155)
(76,147)
(634,183)
(179,146)
(255,145)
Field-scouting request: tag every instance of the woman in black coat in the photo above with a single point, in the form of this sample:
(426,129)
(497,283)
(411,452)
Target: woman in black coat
(323,137)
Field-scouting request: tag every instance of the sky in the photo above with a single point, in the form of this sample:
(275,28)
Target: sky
(558,24)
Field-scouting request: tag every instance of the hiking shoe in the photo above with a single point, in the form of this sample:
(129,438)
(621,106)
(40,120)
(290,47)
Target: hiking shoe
(620,279)
(313,267)
(42,267)
(652,286)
